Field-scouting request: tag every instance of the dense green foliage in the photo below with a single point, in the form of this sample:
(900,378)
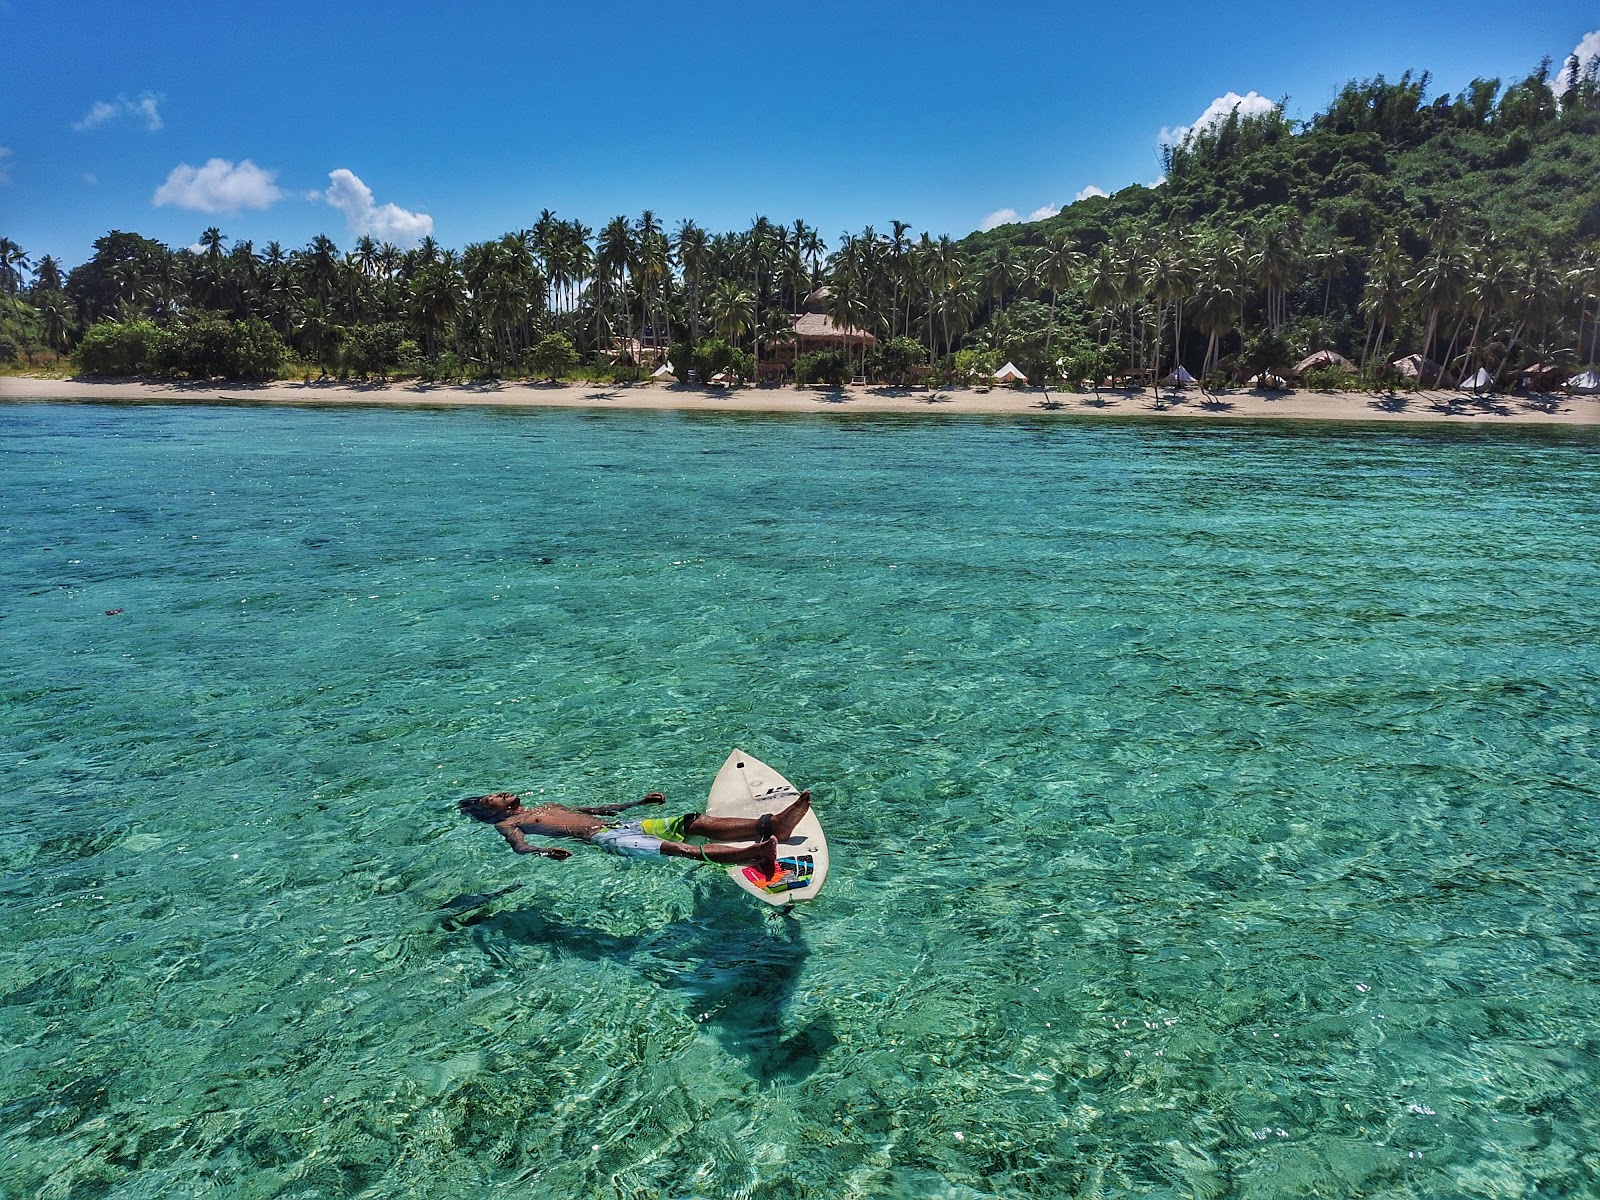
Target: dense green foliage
(204,347)
(831,367)
(1463,228)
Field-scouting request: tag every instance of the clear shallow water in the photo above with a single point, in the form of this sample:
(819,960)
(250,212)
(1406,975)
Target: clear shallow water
(1214,808)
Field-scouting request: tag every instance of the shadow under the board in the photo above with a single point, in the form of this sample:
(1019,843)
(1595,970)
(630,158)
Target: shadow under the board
(736,962)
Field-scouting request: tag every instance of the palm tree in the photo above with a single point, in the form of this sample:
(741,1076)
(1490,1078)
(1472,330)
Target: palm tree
(1055,267)
(47,275)
(1168,279)
(13,262)
(653,256)
(1435,289)
(1383,299)
(1331,264)
(1216,312)
(733,309)
(614,258)
(1002,276)
(1103,288)
(693,252)
(1277,265)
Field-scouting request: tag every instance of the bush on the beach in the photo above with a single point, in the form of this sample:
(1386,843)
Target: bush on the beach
(681,356)
(714,355)
(207,347)
(1331,379)
(1087,364)
(892,361)
(831,367)
(212,347)
(445,367)
(975,366)
(121,348)
(553,357)
(376,351)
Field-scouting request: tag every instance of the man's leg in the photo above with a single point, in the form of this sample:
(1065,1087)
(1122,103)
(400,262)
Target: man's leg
(742,829)
(763,854)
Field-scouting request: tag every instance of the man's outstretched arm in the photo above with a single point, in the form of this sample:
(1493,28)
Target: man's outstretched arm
(521,845)
(611,810)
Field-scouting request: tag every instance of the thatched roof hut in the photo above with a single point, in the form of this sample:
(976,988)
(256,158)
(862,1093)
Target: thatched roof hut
(1319,359)
(1541,377)
(815,330)
(1413,366)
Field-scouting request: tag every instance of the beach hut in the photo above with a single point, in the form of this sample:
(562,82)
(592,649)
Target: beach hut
(1413,366)
(664,374)
(1586,384)
(1180,376)
(1319,359)
(1476,382)
(1541,377)
(1010,374)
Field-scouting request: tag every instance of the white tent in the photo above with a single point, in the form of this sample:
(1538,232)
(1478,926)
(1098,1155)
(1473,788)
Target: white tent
(664,371)
(1010,374)
(1587,383)
(1269,381)
(1477,381)
(1180,374)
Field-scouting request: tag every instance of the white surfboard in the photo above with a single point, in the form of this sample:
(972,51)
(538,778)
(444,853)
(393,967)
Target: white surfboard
(747,787)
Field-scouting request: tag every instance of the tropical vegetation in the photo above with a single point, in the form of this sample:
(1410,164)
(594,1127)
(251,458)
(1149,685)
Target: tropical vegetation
(1464,229)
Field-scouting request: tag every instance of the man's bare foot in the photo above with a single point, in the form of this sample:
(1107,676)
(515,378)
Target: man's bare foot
(783,823)
(768,862)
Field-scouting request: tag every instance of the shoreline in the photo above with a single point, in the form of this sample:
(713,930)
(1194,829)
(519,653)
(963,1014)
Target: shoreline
(1437,407)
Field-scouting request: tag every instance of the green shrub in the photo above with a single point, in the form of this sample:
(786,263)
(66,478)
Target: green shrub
(374,351)
(445,368)
(714,355)
(553,357)
(831,367)
(1330,379)
(210,346)
(681,356)
(893,360)
(121,348)
(975,366)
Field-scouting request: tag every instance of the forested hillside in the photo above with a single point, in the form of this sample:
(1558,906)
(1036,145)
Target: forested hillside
(1464,228)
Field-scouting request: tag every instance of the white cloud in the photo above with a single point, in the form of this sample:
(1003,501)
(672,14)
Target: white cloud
(1009,216)
(386,222)
(98,115)
(219,187)
(1158,181)
(1089,191)
(5,171)
(1588,48)
(1251,104)
(91,178)
(145,107)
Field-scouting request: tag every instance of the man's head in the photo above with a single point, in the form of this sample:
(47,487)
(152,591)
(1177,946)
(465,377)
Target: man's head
(492,808)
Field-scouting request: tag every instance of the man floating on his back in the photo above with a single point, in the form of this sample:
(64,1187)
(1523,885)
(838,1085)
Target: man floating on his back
(645,838)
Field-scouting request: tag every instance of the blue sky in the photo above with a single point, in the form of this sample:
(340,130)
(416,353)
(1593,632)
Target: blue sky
(396,117)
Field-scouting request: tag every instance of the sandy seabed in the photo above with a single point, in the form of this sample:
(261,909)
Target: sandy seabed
(1436,406)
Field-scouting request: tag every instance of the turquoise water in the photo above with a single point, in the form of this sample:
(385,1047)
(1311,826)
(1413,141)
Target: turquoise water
(1214,808)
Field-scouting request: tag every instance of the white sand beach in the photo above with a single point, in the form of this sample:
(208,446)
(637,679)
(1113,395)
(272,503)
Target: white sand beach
(1434,406)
